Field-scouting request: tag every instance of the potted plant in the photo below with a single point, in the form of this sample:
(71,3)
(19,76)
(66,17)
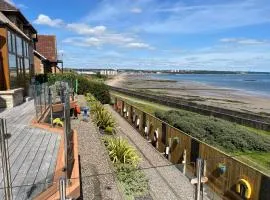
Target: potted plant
(222,168)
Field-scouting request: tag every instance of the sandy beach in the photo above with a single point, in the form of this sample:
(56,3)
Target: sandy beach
(196,92)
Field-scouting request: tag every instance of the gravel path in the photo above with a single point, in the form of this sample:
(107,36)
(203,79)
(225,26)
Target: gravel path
(166,181)
(96,183)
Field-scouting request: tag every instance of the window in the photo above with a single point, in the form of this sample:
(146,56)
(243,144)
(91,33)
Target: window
(19,46)
(9,41)
(26,65)
(26,49)
(12,70)
(19,61)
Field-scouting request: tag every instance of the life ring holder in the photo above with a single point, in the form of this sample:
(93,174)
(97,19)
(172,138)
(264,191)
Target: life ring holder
(247,185)
(155,139)
(138,122)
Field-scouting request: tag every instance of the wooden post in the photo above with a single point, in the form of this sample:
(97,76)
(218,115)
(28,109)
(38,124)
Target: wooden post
(4,57)
(170,146)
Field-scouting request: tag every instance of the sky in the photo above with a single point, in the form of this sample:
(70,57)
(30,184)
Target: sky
(156,34)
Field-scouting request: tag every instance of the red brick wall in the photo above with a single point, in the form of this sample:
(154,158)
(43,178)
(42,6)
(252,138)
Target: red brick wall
(46,46)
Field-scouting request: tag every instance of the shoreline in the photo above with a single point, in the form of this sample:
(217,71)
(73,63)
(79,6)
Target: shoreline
(216,87)
(229,98)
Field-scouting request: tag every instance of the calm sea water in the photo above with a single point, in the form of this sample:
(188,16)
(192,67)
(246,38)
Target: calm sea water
(254,83)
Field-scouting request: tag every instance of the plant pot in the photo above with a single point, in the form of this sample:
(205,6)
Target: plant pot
(222,168)
(102,131)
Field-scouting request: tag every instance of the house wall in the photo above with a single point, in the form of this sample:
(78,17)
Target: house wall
(38,65)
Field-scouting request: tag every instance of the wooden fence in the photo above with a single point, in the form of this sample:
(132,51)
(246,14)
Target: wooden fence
(251,183)
(243,118)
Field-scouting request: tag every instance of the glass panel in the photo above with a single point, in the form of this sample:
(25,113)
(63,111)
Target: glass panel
(19,46)
(12,70)
(26,46)
(27,65)
(9,42)
(13,38)
(19,66)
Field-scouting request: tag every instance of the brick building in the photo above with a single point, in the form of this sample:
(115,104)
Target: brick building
(45,56)
(17,41)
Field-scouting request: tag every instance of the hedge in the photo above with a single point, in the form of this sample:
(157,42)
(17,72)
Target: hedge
(217,132)
(97,88)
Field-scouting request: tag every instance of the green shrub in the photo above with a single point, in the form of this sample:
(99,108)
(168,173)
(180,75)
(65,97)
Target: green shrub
(97,88)
(58,122)
(120,151)
(217,132)
(90,99)
(132,180)
(41,78)
(109,130)
(103,118)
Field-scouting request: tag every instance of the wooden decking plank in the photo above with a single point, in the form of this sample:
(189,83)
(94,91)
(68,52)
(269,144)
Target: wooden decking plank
(19,159)
(40,180)
(25,192)
(51,170)
(16,153)
(33,152)
(22,155)
(15,136)
(19,143)
(22,173)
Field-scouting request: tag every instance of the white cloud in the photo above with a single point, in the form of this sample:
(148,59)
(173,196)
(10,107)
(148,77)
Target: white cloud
(85,29)
(136,10)
(181,18)
(46,20)
(138,45)
(118,40)
(244,41)
(94,36)
(99,35)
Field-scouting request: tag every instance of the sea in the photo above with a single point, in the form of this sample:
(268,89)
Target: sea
(250,83)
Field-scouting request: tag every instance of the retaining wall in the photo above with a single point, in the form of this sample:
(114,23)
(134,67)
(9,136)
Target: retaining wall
(179,142)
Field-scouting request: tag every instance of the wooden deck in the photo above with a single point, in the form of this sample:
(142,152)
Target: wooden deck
(33,153)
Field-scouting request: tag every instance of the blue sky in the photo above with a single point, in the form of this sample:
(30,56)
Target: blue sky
(157,34)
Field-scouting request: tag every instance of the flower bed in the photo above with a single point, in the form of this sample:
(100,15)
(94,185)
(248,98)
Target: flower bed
(124,157)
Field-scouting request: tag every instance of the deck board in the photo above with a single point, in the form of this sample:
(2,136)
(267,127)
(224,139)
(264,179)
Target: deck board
(33,153)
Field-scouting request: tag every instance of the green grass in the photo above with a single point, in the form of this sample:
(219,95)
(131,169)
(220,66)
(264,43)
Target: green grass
(146,106)
(259,160)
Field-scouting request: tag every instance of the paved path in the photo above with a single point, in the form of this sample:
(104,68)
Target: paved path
(166,182)
(96,183)
(33,153)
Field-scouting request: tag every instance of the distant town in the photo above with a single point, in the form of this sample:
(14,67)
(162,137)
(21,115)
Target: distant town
(112,71)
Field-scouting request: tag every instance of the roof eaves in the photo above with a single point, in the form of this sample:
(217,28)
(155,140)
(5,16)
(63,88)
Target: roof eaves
(18,12)
(7,22)
(40,55)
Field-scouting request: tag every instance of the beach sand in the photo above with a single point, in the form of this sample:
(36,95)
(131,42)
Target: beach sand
(196,92)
